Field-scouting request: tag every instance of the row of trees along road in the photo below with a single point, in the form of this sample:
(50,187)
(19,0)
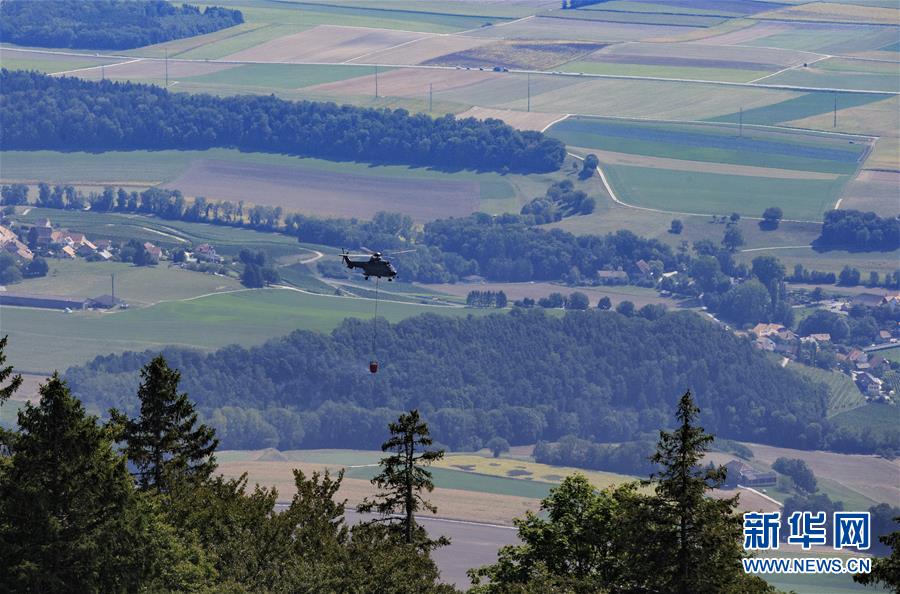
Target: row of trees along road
(72,518)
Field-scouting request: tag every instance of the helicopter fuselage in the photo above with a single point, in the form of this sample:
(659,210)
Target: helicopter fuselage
(374,266)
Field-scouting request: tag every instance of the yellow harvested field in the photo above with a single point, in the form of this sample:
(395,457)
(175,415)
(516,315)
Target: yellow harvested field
(28,391)
(327,44)
(839,13)
(874,477)
(404,82)
(451,503)
(523,120)
(523,470)
(422,50)
(613,158)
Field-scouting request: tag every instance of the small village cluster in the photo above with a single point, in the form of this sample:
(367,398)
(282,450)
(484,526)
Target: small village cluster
(43,240)
(870,371)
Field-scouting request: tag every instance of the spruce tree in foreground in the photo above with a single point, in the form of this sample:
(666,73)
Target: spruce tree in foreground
(697,538)
(70,520)
(5,373)
(885,570)
(165,442)
(403,478)
(620,540)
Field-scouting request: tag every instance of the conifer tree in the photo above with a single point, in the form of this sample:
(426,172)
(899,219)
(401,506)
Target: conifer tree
(64,496)
(5,373)
(695,540)
(404,477)
(165,442)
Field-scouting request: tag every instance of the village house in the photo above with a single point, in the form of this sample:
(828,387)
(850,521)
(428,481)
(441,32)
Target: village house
(207,253)
(10,242)
(67,252)
(43,236)
(767,330)
(612,277)
(738,473)
(644,269)
(816,339)
(868,299)
(868,384)
(154,253)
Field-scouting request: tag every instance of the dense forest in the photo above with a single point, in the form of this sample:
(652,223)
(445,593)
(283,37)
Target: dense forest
(524,376)
(64,113)
(859,231)
(107,24)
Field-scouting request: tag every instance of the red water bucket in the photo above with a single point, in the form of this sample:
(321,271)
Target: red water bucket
(373,366)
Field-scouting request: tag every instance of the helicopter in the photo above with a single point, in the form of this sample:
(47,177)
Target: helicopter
(374,265)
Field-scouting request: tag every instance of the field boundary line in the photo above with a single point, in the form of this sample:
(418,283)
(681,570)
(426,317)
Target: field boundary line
(525,18)
(729,124)
(805,64)
(387,49)
(305,292)
(103,66)
(775,247)
(763,495)
(616,199)
(554,122)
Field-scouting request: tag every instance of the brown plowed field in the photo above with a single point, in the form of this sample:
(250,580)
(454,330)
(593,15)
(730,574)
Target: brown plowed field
(331,193)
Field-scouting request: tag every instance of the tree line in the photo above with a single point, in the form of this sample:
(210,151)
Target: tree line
(524,376)
(859,231)
(107,24)
(45,112)
(135,504)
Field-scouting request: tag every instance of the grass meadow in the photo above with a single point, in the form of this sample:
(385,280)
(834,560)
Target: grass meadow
(43,340)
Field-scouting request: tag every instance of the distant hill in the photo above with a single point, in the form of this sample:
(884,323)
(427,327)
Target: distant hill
(107,24)
(524,376)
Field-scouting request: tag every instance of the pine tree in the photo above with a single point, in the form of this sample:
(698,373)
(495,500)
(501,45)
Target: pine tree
(5,372)
(403,478)
(695,540)
(64,496)
(885,570)
(165,442)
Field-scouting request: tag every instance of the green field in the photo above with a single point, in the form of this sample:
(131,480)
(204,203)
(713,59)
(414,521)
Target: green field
(468,481)
(716,193)
(42,340)
(880,419)
(781,149)
(796,108)
(843,393)
(891,354)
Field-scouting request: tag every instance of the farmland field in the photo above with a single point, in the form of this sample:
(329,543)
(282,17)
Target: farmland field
(843,393)
(297,184)
(782,149)
(716,193)
(43,340)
